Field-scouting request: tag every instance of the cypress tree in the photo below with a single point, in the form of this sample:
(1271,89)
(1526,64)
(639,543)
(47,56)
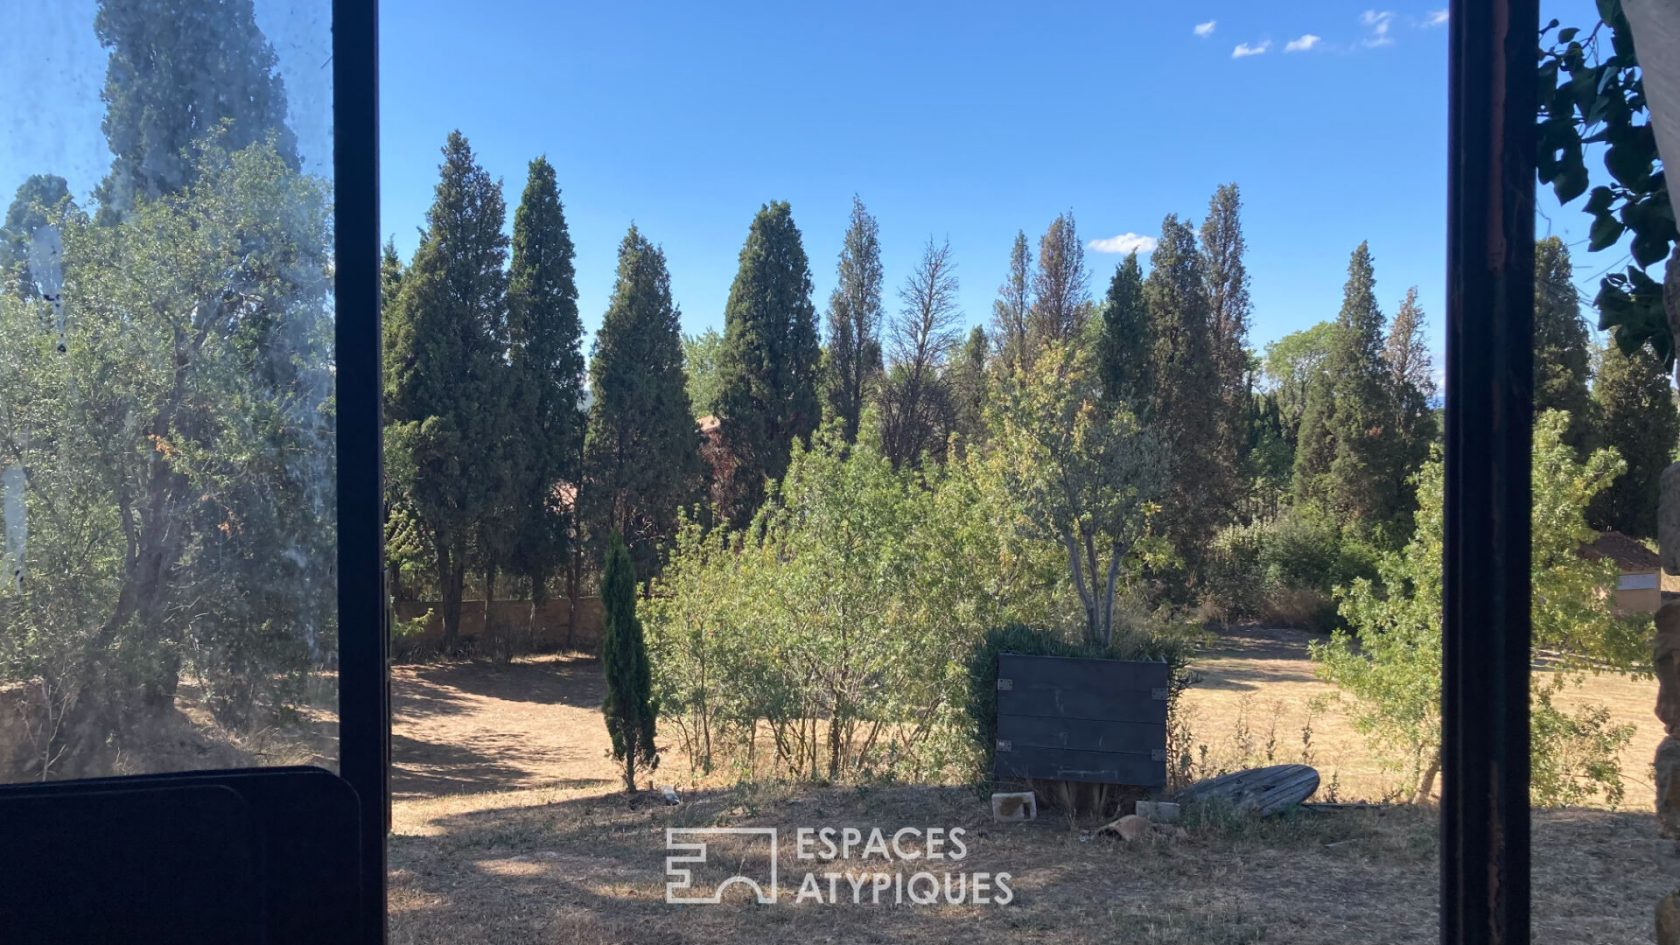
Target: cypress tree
(545,357)
(1061,288)
(854,322)
(1344,452)
(1226,279)
(1186,404)
(629,709)
(1125,349)
(445,351)
(1411,388)
(179,70)
(1009,312)
(39,200)
(641,451)
(1636,403)
(769,365)
(965,378)
(1562,358)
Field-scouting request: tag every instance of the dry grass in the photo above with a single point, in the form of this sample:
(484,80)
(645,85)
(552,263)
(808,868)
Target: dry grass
(1255,687)
(509,830)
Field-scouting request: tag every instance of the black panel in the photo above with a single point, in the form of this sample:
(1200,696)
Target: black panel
(1023,731)
(298,841)
(1066,719)
(164,864)
(1097,766)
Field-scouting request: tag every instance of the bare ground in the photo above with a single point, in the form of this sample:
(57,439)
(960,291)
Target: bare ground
(510,829)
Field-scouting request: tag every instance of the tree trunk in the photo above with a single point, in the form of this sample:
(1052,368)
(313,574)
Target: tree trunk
(489,595)
(1426,784)
(451,580)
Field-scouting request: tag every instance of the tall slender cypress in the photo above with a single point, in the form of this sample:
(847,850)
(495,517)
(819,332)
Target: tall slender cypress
(854,322)
(768,369)
(628,708)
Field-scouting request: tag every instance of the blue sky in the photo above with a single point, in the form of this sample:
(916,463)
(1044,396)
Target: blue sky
(965,122)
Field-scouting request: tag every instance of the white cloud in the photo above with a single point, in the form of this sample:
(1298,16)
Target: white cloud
(1244,50)
(1377,24)
(1435,18)
(1304,43)
(1204,30)
(1124,243)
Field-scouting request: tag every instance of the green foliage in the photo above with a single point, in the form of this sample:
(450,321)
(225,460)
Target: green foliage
(1562,358)
(180,70)
(1637,419)
(545,361)
(1391,661)
(700,365)
(1285,570)
(834,622)
(41,199)
(445,388)
(1009,312)
(1141,642)
(1225,286)
(1087,477)
(1187,408)
(965,380)
(1126,346)
(1060,290)
(854,322)
(1294,365)
(179,455)
(629,707)
(641,453)
(1591,97)
(768,369)
(1350,453)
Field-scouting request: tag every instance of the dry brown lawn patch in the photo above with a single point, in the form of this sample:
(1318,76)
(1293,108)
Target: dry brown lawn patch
(509,831)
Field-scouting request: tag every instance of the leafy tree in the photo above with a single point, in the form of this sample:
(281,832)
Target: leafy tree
(545,360)
(700,363)
(830,621)
(1639,421)
(1126,347)
(1086,474)
(1592,98)
(1391,661)
(1294,365)
(445,346)
(915,405)
(41,199)
(768,369)
(629,708)
(1061,288)
(1562,356)
(1009,312)
(178,71)
(1345,453)
(965,380)
(178,451)
(641,453)
(854,321)
(1187,405)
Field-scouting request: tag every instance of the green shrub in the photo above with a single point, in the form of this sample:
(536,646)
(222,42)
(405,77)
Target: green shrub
(981,705)
(1285,571)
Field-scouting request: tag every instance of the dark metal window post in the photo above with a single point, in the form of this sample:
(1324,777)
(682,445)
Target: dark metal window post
(1490,307)
(364,720)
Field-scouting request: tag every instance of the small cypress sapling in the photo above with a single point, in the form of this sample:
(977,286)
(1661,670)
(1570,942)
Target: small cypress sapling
(629,708)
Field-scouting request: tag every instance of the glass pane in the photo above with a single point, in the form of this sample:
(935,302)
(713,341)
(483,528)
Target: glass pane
(168,599)
(1606,428)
